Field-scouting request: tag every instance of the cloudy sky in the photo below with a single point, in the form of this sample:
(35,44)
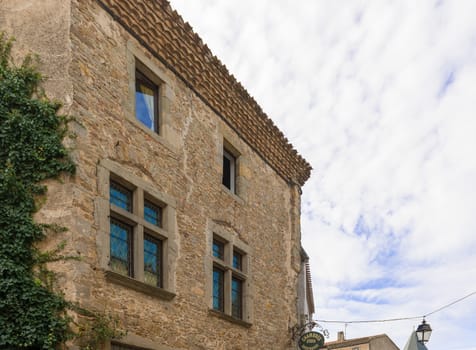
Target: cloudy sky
(379,96)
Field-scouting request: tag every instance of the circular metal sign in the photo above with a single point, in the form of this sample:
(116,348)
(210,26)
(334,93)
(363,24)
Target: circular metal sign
(311,341)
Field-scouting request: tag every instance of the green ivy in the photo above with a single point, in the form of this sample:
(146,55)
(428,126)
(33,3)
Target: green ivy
(32,315)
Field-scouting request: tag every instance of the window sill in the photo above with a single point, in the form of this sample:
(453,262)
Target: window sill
(234,195)
(229,318)
(125,281)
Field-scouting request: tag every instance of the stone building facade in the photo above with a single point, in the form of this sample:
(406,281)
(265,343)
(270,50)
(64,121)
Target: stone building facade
(185,208)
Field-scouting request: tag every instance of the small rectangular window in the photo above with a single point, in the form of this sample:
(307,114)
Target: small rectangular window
(218,289)
(237,260)
(147,101)
(229,167)
(121,248)
(236,298)
(120,196)
(218,249)
(153,213)
(152,261)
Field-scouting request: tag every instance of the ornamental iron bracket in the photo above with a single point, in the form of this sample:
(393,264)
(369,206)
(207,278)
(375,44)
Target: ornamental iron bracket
(299,330)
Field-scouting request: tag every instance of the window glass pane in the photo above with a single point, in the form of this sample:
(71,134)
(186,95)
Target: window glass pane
(120,196)
(146,101)
(152,213)
(226,172)
(228,179)
(152,261)
(120,243)
(218,289)
(237,258)
(236,298)
(218,249)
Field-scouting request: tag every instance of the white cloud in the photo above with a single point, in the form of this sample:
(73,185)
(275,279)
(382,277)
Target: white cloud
(379,97)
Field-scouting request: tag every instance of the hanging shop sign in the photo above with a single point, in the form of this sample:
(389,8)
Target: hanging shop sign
(311,341)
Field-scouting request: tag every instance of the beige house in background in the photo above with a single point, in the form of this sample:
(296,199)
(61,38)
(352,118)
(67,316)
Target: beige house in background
(375,342)
(185,208)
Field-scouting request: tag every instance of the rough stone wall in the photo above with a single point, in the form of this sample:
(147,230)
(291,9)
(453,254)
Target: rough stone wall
(22,19)
(43,29)
(187,167)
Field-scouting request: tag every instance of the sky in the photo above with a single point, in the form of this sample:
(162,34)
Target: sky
(379,97)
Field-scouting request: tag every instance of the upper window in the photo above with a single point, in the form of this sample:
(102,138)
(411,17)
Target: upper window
(147,101)
(229,171)
(151,96)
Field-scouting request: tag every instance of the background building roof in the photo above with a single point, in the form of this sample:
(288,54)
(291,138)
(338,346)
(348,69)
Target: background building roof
(356,341)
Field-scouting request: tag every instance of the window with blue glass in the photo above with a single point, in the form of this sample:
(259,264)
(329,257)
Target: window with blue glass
(152,213)
(121,248)
(152,261)
(218,249)
(147,101)
(120,196)
(230,273)
(237,258)
(137,238)
(218,289)
(236,298)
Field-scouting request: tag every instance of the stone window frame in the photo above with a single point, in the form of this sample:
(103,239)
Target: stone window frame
(231,243)
(138,60)
(107,170)
(237,189)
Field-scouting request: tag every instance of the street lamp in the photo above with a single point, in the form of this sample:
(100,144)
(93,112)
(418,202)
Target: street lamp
(423,332)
